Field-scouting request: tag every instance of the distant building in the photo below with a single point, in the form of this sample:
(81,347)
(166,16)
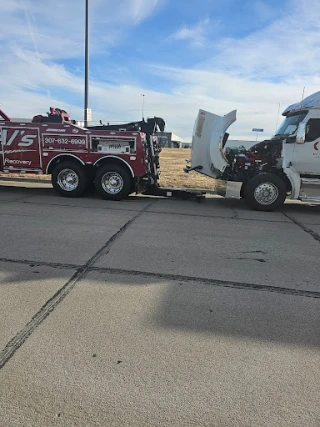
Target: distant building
(170,140)
(186,144)
(164,139)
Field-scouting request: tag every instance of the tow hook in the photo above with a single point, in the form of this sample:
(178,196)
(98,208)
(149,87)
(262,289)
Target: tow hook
(188,169)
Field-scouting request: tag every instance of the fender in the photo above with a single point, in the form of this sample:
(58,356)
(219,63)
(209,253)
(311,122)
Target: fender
(295,180)
(65,155)
(115,157)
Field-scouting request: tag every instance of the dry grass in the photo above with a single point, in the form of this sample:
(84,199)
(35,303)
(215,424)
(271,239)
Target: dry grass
(172,162)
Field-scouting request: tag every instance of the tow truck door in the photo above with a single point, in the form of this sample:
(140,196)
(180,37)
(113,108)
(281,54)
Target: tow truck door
(20,146)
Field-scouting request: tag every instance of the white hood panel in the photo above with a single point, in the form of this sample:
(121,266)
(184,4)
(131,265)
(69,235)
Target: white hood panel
(207,150)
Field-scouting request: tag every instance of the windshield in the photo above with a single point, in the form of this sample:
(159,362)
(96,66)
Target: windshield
(291,123)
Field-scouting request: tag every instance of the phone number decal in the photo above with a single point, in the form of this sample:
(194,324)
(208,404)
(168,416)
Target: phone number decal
(64,141)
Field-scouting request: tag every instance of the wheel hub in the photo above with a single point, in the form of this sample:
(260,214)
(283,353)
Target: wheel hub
(68,180)
(112,182)
(266,193)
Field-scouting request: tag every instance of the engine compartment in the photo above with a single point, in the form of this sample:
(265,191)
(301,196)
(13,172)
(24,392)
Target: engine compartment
(245,163)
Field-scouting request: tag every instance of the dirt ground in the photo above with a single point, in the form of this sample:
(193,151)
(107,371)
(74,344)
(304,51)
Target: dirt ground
(172,162)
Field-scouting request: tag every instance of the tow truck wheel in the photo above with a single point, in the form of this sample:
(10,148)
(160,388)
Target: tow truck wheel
(69,179)
(265,192)
(113,182)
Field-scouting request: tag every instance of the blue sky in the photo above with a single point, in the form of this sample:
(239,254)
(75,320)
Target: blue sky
(248,55)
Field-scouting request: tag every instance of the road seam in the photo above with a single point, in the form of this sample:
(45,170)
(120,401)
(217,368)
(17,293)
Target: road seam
(33,263)
(174,277)
(235,214)
(312,233)
(17,341)
(212,282)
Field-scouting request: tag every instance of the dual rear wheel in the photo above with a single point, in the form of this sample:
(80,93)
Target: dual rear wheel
(111,181)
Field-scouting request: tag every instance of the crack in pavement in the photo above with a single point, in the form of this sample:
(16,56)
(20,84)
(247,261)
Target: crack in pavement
(235,216)
(235,213)
(17,341)
(67,205)
(20,200)
(312,233)
(33,263)
(212,282)
(249,259)
(172,277)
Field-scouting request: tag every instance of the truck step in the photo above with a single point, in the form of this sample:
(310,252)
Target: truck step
(310,189)
(310,181)
(310,199)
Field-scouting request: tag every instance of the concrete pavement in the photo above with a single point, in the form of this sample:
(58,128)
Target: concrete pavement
(157,312)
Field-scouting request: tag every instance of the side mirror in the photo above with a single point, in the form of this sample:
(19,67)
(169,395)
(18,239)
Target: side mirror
(301,133)
(291,139)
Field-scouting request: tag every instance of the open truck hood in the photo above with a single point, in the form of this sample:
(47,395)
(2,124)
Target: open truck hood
(207,151)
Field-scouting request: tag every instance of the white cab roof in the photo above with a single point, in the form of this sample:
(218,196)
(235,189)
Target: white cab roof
(311,101)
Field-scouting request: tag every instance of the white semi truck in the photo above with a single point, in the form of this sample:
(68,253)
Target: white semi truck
(286,166)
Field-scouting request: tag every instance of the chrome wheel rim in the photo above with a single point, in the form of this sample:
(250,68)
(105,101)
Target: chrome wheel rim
(68,180)
(112,182)
(266,193)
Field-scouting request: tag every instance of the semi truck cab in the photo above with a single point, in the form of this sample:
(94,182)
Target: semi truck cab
(286,166)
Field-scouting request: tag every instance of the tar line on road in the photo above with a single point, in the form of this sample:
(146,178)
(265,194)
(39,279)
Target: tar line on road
(174,277)
(16,342)
(312,233)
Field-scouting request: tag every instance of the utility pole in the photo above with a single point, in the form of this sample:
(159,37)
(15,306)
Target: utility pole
(86,66)
(277,117)
(142,106)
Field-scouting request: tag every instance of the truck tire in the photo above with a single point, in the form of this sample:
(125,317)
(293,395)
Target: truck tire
(113,182)
(69,179)
(265,192)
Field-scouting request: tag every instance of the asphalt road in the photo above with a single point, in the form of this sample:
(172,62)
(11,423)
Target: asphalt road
(157,312)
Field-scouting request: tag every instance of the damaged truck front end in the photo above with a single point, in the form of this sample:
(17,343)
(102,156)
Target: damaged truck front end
(208,154)
(255,174)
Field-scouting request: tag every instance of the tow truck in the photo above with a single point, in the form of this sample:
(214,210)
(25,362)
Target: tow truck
(121,159)
(116,162)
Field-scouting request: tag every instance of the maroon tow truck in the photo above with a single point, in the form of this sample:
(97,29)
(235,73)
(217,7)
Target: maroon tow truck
(117,159)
